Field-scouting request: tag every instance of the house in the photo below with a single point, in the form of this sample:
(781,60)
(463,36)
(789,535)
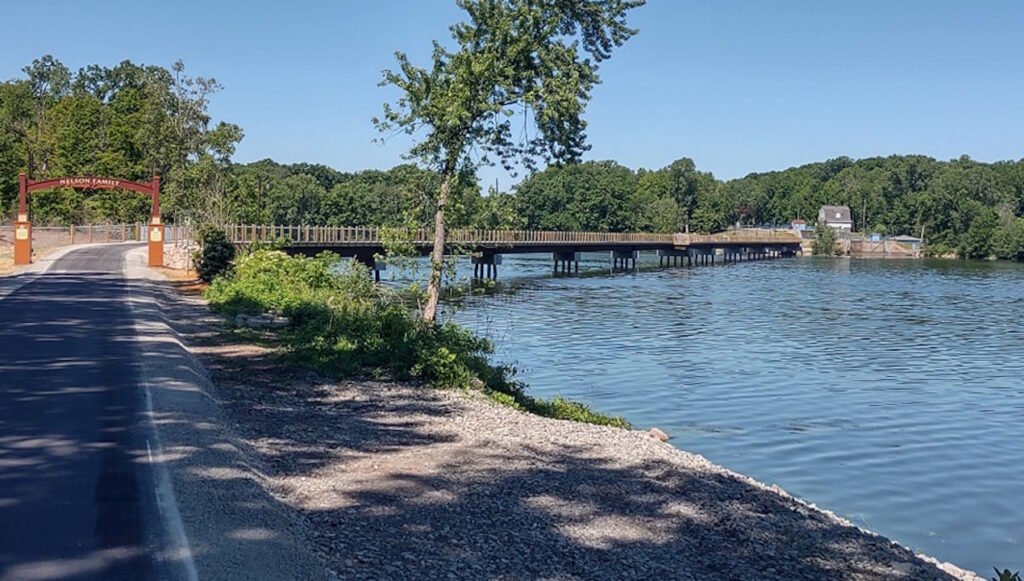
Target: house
(798,225)
(836,217)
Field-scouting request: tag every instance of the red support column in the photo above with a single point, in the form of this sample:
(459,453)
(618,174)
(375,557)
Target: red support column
(156,228)
(22,227)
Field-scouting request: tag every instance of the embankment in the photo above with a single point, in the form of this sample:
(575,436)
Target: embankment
(395,481)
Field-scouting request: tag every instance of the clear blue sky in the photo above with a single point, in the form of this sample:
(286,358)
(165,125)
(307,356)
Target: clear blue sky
(738,85)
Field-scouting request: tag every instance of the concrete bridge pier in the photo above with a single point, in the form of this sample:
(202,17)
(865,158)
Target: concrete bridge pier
(672,257)
(624,259)
(485,266)
(375,266)
(703,256)
(568,261)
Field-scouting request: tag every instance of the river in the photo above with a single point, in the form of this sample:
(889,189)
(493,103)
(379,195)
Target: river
(891,392)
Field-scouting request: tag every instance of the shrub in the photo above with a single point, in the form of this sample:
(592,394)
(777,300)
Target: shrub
(215,254)
(824,243)
(343,324)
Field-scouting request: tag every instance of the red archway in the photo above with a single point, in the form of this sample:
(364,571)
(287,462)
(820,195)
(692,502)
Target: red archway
(23,228)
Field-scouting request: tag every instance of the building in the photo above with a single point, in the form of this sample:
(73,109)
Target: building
(909,241)
(836,217)
(798,225)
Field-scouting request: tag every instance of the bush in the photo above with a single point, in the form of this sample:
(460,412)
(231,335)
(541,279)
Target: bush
(215,254)
(342,324)
(824,243)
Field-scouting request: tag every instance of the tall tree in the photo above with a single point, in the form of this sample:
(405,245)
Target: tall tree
(512,56)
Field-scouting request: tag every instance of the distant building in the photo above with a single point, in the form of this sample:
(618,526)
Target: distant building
(798,224)
(909,241)
(836,217)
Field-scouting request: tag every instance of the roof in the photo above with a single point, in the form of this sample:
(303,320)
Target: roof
(836,214)
(906,238)
(798,221)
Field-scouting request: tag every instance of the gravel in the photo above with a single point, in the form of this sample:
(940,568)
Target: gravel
(403,482)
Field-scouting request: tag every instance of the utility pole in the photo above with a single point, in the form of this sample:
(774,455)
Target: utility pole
(259,196)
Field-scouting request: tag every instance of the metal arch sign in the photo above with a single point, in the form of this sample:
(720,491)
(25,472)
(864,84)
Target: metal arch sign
(151,189)
(90,183)
(23,246)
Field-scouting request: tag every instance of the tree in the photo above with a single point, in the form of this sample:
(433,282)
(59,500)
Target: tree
(129,121)
(977,242)
(824,243)
(512,56)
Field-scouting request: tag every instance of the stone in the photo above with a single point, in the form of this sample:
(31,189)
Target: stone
(658,435)
(264,321)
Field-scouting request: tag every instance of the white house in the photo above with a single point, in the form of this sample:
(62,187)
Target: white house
(836,217)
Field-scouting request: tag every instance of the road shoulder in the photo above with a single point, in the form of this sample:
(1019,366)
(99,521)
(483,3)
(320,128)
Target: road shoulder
(235,529)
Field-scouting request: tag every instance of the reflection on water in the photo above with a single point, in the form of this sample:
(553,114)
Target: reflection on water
(889,391)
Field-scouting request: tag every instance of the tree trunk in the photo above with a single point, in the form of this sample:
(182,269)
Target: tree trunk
(437,256)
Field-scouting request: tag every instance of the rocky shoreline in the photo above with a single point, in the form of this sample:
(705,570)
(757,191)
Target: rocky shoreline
(397,481)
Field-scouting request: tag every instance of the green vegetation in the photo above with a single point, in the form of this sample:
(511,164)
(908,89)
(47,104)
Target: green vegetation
(342,324)
(215,254)
(514,58)
(824,240)
(132,121)
(1006,575)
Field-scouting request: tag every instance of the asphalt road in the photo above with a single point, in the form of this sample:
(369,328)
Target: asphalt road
(75,486)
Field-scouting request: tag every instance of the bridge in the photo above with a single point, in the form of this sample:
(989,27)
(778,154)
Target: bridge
(487,246)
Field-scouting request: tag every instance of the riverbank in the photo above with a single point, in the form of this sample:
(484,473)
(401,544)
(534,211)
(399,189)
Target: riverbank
(395,481)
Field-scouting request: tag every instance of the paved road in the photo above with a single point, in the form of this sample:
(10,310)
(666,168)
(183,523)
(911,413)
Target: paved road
(74,481)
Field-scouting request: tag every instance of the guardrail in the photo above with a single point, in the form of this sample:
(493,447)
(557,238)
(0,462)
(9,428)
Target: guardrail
(747,235)
(361,236)
(185,234)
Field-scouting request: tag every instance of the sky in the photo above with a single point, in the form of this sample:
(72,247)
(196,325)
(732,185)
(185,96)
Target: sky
(739,86)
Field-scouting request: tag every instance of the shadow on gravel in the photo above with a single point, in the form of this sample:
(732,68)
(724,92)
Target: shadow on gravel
(388,487)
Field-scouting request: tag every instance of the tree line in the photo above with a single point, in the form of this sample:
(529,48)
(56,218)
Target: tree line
(963,207)
(129,121)
(132,121)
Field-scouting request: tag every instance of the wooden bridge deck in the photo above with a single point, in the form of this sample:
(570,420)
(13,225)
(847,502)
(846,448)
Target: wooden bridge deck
(353,240)
(487,246)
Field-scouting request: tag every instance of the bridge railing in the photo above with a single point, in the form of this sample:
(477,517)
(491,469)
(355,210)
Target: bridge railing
(373,236)
(752,235)
(360,236)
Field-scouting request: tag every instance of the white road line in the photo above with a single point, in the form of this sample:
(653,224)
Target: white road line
(173,526)
(156,495)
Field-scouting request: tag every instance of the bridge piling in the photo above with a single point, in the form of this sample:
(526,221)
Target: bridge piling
(485,266)
(569,261)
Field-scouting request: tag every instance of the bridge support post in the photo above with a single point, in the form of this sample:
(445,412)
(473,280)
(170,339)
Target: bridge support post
(486,266)
(671,257)
(623,258)
(568,261)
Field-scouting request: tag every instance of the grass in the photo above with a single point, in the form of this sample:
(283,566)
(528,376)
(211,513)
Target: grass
(7,267)
(343,326)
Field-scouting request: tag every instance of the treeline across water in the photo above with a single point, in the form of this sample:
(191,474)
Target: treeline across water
(132,121)
(962,207)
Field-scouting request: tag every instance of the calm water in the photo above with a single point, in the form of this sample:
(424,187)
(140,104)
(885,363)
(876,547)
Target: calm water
(891,392)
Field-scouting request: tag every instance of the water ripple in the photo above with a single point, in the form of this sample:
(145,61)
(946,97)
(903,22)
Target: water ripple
(888,391)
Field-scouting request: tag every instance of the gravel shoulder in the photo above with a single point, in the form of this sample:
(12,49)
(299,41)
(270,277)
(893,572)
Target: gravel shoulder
(220,520)
(389,481)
